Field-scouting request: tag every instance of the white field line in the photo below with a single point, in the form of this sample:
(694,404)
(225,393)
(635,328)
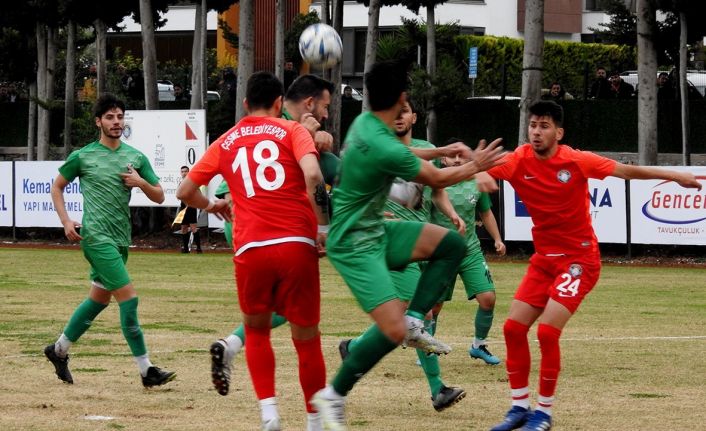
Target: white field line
(462,344)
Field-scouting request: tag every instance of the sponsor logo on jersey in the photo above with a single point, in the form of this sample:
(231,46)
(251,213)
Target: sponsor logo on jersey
(564,176)
(127,131)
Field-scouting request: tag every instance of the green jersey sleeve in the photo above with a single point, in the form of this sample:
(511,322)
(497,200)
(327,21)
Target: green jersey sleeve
(222,190)
(484,203)
(145,170)
(329,164)
(397,160)
(71,167)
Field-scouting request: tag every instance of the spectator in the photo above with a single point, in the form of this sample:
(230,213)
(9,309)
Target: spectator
(600,89)
(665,88)
(180,94)
(347,95)
(620,89)
(12,94)
(229,85)
(556,93)
(290,74)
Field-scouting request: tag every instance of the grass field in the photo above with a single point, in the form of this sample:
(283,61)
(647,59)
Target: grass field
(633,357)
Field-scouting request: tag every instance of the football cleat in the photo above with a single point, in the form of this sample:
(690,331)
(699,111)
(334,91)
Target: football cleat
(539,421)
(332,411)
(420,339)
(514,418)
(220,368)
(447,397)
(481,352)
(61,365)
(343,349)
(157,377)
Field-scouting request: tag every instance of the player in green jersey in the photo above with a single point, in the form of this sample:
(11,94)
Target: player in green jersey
(413,202)
(306,102)
(474,272)
(108,169)
(363,248)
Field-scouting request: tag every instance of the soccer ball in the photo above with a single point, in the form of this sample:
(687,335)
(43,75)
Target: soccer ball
(320,46)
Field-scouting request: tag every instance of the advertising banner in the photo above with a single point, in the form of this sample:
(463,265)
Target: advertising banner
(170,140)
(663,212)
(33,204)
(6,193)
(608,211)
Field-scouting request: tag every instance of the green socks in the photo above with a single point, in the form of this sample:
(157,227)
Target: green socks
(370,347)
(430,363)
(439,273)
(82,318)
(277,321)
(131,327)
(484,320)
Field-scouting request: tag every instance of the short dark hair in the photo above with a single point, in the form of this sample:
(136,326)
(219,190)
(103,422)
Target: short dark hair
(184,167)
(105,103)
(413,104)
(385,82)
(308,86)
(263,89)
(548,108)
(453,140)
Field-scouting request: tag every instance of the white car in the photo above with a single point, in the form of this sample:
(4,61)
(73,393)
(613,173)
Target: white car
(165,91)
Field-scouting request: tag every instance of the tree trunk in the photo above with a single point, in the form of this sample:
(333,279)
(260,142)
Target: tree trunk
(42,100)
(197,62)
(202,48)
(32,121)
(149,55)
(246,54)
(431,71)
(532,62)
(101,61)
(371,44)
(334,121)
(647,72)
(281,10)
(70,88)
(684,91)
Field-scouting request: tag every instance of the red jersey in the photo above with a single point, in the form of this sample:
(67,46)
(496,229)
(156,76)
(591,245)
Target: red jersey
(555,192)
(259,159)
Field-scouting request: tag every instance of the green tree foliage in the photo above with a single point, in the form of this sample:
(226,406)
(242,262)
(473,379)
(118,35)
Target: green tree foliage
(566,62)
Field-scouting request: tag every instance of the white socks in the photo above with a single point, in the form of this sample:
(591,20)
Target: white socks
(478,342)
(62,345)
(233,346)
(544,404)
(143,363)
(313,422)
(329,393)
(268,409)
(520,397)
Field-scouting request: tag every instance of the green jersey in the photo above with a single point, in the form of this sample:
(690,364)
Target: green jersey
(408,200)
(372,158)
(466,200)
(106,215)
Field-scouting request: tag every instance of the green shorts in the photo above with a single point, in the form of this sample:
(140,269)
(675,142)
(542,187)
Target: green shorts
(367,272)
(107,264)
(475,275)
(406,280)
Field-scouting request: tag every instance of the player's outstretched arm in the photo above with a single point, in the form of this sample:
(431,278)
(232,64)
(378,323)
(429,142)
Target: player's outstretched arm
(451,150)
(57,197)
(631,172)
(189,193)
(484,157)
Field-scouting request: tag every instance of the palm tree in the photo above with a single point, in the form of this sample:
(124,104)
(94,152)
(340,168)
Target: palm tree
(149,55)
(647,96)
(246,53)
(371,43)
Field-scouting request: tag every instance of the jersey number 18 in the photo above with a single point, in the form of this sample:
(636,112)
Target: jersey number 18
(263,163)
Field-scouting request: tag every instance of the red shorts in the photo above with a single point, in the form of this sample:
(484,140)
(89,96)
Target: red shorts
(283,278)
(565,279)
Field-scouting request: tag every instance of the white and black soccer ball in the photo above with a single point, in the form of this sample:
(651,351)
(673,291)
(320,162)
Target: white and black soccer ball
(320,46)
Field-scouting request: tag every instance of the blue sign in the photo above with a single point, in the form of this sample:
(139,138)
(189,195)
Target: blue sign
(473,62)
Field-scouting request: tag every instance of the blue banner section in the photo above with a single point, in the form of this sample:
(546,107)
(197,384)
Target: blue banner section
(473,62)
(520,208)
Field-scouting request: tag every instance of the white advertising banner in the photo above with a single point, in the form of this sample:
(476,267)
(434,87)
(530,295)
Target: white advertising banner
(608,211)
(6,193)
(33,204)
(662,212)
(170,140)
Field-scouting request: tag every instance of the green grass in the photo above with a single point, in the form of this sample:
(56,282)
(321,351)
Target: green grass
(632,357)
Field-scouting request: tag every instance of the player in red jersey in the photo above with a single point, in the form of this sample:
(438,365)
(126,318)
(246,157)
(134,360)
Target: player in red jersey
(552,181)
(272,170)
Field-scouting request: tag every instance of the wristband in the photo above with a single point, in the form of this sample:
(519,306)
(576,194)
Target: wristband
(210,205)
(323,228)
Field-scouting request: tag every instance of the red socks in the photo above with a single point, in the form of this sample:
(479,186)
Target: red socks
(261,361)
(518,353)
(312,370)
(551,359)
